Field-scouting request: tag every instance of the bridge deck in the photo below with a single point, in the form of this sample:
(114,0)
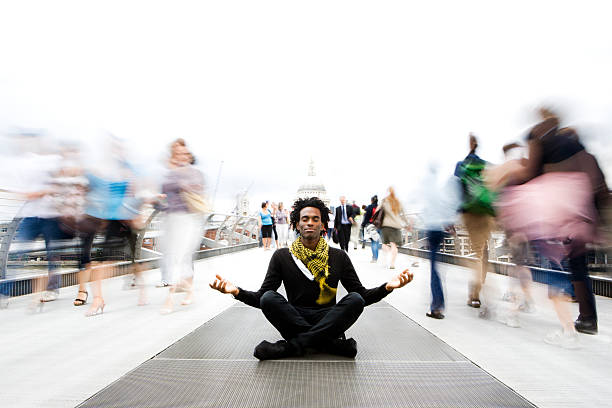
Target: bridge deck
(198,357)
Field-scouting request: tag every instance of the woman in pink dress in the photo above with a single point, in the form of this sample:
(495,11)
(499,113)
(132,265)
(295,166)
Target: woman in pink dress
(554,201)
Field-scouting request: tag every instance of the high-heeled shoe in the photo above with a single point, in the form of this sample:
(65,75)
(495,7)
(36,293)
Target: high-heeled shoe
(167,308)
(80,302)
(96,309)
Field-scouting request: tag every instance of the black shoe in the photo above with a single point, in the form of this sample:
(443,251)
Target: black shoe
(341,347)
(435,315)
(273,351)
(586,326)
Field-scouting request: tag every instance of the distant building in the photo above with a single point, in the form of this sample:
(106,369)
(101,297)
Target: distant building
(313,187)
(242,204)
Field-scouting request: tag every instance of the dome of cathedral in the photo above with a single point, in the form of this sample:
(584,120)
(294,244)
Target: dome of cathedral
(313,187)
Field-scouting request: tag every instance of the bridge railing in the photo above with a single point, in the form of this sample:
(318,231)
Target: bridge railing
(221,230)
(602,285)
(223,233)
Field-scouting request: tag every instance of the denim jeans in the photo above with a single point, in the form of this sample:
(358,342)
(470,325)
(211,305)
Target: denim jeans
(437,295)
(31,228)
(375,247)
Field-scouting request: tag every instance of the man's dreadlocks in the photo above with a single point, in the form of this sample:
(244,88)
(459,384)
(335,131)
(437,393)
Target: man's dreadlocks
(302,203)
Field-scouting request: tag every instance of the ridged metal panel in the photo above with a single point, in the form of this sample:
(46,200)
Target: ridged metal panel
(286,384)
(381,333)
(399,364)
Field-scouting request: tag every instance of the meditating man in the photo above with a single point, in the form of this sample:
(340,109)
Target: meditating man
(310,270)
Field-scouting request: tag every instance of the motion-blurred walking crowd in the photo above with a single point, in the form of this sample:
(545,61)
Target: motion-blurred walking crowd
(549,196)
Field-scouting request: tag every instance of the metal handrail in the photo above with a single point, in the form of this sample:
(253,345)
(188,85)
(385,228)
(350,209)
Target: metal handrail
(230,230)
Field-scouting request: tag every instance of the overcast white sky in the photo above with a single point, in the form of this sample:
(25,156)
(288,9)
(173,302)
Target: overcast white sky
(370,90)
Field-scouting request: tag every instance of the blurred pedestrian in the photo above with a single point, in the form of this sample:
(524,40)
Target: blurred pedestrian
(40,215)
(169,164)
(392,224)
(113,210)
(519,288)
(273,209)
(370,230)
(477,213)
(265,225)
(330,225)
(440,206)
(356,227)
(342,223)
(361,228)
(183,190)
(563,192)
(282,224)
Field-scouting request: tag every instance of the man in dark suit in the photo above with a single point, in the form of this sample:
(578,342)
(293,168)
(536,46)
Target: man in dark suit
(342,223)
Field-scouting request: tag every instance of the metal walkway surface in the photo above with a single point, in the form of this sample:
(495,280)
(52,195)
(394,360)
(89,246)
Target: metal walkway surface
(399,364)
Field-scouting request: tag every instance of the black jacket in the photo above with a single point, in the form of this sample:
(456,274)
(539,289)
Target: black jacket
(338,216)
(368,214)
(304,292)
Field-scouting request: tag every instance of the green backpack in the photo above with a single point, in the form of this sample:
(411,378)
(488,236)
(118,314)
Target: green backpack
(477,199)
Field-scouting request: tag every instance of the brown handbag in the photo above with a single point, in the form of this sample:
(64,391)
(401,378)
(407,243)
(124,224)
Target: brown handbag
(378,217)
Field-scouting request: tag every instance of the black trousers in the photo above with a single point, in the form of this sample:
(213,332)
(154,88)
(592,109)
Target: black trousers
(310,327)
(583,287)
(344,235)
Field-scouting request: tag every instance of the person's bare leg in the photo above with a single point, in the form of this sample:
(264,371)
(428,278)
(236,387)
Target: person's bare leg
(386,249)
(188,285)
(82,294)
(97,304)
(138,278)
(38,283)
(393,255)
(561,305)
(525,279)
(169,303)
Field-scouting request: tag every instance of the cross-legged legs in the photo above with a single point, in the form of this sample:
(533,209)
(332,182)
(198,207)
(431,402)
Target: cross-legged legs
(313,328)
(283,316)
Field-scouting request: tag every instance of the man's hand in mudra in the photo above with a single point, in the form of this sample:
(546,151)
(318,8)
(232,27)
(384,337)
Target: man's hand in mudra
(400,280)
(224,286)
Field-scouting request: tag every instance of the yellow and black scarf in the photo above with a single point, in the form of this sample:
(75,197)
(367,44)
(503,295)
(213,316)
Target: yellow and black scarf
(317,263)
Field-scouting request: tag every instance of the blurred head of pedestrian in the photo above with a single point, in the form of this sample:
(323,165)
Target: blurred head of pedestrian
(473,143)
(393,201)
